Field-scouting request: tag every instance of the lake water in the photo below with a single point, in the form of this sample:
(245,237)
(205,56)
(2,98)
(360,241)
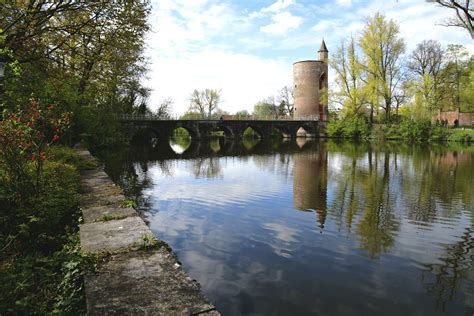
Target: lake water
(312,227)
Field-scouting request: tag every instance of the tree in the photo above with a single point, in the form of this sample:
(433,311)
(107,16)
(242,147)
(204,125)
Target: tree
(464,14)
(286,101)
(350,74)
(425,63)
(456,74)
(87,57)
(164,109)
(266,108)
(242,114)
(205,101)
(382,49)
(218,113)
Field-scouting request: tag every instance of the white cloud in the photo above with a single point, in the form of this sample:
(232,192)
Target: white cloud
(345,3)
(278,6)
(282,23)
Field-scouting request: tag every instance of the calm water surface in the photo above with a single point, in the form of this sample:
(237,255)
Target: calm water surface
(313,228)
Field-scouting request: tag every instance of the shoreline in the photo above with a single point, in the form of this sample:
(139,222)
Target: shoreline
(139,273)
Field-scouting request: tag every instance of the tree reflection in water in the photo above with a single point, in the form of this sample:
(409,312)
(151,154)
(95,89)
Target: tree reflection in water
(451,279)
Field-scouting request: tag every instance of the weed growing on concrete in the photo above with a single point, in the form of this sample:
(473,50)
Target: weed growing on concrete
(109,217)
(148,241)
(128,203)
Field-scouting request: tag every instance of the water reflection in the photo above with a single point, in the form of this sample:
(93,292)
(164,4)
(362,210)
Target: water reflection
(310,180)
(311,227)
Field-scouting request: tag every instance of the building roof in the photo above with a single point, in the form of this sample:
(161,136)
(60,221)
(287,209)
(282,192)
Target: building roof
(323,47)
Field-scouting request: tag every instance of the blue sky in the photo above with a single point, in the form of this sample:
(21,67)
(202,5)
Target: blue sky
(247,48)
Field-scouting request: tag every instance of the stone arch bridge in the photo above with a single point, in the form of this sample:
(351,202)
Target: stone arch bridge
(149,127)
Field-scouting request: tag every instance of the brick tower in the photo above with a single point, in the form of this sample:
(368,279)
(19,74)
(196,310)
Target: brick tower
(310,85)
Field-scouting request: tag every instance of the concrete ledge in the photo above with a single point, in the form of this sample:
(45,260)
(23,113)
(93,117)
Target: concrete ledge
(106,212)
(101,199)
(114,235)
(144,283)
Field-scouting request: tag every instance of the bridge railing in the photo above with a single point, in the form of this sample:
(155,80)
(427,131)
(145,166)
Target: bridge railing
(138,117)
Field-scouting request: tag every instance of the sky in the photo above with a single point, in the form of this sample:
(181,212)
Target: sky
(246,48)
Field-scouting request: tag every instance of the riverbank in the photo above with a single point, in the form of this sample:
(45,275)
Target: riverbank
(138,274)
(408,130)
(41,264)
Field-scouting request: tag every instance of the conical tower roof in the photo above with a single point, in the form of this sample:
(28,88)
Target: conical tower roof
(323,47)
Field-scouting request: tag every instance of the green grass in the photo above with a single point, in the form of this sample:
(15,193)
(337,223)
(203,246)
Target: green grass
(461,135)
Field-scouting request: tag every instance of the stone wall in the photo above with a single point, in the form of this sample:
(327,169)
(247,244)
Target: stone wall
(455,118)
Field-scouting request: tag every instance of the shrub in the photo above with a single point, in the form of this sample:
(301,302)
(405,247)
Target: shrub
(24,139)
(335,128)
(463,136)
(415,130)
(439,133)
(41,267)
(350,127)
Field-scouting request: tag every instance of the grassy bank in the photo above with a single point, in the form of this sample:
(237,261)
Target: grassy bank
(41,266)
(423,131)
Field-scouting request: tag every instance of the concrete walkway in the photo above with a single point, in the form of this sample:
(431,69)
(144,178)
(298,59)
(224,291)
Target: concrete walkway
(138,276)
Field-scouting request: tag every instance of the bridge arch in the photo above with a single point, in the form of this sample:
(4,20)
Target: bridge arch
(228,131)
(145,134)
(306,130)
(286,130)
(192,131)
(257,129)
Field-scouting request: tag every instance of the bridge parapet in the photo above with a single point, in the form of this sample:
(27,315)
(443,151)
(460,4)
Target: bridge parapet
(137,117)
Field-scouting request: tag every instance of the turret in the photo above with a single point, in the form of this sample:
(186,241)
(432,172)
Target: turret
(323,51)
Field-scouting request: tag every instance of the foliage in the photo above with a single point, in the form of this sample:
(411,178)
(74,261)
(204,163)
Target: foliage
(457,84)
(266,108)
(250,133)
(415,130)
(191,115)
(25,137)
(128,203)
(285,101)
(85,56)
(350,127)
(350,76)
(41,268)
(425,64)
(242,114)
(204,101)
(164,110)
(374,81)
(461,135)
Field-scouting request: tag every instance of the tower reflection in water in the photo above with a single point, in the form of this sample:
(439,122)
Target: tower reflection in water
(310,180)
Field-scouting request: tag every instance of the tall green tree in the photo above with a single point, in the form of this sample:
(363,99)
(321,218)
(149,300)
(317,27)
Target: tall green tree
(456,74)
(425,64)
(266,108)
(382,51)
(350,75)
